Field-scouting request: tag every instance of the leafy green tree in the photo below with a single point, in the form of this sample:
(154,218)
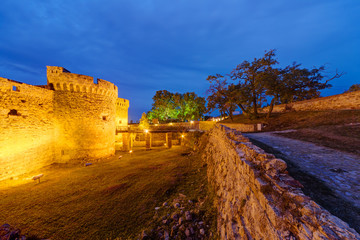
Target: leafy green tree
(144,122)
(353,88)
(177,106)
(189,106)
(163,106)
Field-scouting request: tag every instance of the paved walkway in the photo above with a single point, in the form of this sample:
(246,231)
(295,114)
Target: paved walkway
(338,170)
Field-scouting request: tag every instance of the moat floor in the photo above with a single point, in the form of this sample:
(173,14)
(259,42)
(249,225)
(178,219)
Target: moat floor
(114,198)
(330,177)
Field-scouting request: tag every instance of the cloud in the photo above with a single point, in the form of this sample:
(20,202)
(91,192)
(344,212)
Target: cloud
(151,44)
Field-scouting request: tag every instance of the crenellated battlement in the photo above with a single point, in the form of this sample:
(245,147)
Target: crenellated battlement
(122,103)
(60,79)
(69,118)
(8,85)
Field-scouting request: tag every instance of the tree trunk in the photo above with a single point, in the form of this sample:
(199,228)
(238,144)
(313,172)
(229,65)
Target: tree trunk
(255,108)
(231,116)
(242,108)
(270,108)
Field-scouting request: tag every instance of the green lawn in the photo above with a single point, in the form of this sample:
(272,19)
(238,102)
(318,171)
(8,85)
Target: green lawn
(113,198)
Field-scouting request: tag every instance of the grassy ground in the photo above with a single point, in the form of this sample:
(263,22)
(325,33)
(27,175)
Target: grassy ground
(297,120)
(113,198)
(335,129)
(341,137)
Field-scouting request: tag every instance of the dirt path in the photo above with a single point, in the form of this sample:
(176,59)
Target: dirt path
(330,177)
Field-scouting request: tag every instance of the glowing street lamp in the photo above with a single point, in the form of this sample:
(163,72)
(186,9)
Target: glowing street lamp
(146,131)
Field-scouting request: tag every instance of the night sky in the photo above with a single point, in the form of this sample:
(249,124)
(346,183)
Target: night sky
(147,45)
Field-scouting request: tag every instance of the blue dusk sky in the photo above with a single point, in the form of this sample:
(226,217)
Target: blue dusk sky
(147,45)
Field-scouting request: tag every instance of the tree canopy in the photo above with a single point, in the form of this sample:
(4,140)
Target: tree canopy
(144,122)
(260,81)
(353,88)
(176,106)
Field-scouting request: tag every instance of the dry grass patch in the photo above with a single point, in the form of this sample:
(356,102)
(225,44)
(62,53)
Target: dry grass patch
(341,137)
(338,129)
(113,198)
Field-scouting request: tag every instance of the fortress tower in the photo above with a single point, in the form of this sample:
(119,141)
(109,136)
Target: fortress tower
(72,117)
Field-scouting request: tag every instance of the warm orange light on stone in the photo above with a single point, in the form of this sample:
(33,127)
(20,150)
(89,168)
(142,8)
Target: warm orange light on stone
(71,117)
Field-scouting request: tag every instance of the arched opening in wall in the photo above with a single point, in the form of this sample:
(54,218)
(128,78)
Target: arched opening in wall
(14,112)
(84,89)
(64,86)
(58,86)
(100,91)
(51,86)
(91,90)
(77,88)
(71,87)
(15,88)
(104,118)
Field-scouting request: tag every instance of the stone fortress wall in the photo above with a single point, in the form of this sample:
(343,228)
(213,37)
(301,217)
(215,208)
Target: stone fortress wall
(122,106)
(70,118)
(26,127)
(344,101)
(257,199)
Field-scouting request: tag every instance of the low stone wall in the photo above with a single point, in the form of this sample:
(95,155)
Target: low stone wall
(345,101)
(256,197)
(244,127)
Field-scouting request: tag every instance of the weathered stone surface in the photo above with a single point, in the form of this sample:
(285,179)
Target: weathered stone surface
(345,101)
(257,199)
(7,232)
(174,223)
(57,121)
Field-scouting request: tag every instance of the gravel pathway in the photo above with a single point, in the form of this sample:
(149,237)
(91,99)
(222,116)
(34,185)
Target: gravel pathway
(338,170)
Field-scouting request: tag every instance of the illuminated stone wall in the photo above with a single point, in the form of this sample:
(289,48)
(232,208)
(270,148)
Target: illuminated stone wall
(26,128)
(345,101)
(256,197)
(122,106)
(85,115)
(69,118)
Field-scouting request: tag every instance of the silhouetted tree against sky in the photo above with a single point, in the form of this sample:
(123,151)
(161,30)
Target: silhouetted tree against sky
(219,96)
(251,79)
(294,83)
(353,88)
(259,81)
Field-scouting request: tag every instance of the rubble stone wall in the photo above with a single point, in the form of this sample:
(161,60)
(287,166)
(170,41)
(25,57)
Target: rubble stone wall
(345,101)
(256,197)
(26,128)
(69,118)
